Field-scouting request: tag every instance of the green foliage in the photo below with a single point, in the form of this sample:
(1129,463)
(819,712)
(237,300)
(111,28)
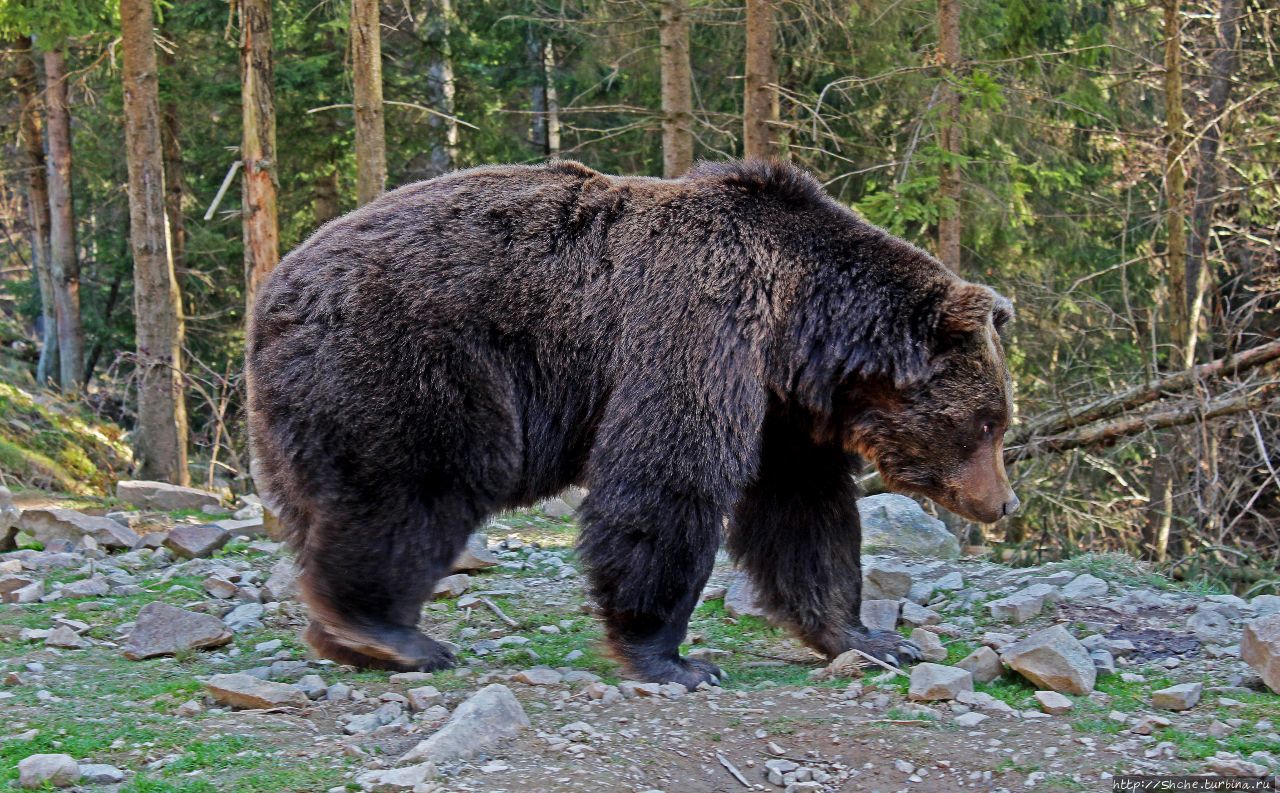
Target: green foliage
(56,445)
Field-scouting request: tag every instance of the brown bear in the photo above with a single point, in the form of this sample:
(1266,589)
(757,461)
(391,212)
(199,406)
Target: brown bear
(731,343)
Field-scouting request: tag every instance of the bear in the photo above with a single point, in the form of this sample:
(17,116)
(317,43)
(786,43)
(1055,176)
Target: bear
(713,357)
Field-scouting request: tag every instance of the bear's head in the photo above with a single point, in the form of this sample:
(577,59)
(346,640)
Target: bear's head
(937,430)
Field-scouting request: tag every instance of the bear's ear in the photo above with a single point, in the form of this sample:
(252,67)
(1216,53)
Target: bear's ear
(1002,314)
(966,309)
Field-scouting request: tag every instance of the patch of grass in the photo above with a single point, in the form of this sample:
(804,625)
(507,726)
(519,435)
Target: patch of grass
(1010,689)
(1199,747)
(1128,697)
(1097,726)
(57,445)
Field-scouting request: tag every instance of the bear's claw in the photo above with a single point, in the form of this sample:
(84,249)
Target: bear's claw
(689,672)
(886,646)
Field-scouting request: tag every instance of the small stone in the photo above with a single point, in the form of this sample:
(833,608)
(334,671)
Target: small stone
(1210,626)
(475,556)
(740,598)
(936,682)
(31,593)
(1145,726)
(408,678)
(164,496)
(100,774)
(250,693)
(881,615)
(1260,649)
(312,685)
(282,584)
(189,708)
(219,587)
(397,780)
(970,719)
(1181,697)
(195,542)
(58,770)
(92,587)
(491,715)
(885,580)
(1053,703)
(64,637)
(161,629)
(983,664)
(424,697)
(1024,604)
(931,647)
(1053,659)
(917,616)
(244,617)
(338,692)
(538,676)
(1227,764)
(451,586)
(631,689)
(1084,586)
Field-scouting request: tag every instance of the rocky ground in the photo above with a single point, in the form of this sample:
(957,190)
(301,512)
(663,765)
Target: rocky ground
(157,649)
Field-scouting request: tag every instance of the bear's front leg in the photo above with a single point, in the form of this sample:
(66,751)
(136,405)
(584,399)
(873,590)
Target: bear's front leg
(648,561)
(795,531)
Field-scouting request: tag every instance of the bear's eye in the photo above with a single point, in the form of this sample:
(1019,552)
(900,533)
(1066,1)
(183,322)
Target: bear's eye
(988,428)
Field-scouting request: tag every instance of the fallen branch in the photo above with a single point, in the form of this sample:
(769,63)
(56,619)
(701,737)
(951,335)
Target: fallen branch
(499,613)
(724,761)
(1111,431)
(1059,421)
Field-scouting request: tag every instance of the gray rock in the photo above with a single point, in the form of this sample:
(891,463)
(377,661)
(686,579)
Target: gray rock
(64,637)
(491,715)
(161,629)
(1210,625)
(931,648)
(424,697)
(885,580)
(1052,659)
(1084,586)
(312,685)
(880,615)
(740,598)
(983,664)
(1024,604)
(219,587)
(937,682)
(970,719)
(12,583)
(1266,605)
(164,496)
(31,593)
(1181,697)
(556,508)
(476,556)
(1053,703)
(451,586)
(892,522)
(916,616)
(195,542)
(250,693)
(1260,649)
(48,526)
(94,586)
(282,583)
(100,774)
(251,527)
(58,770)
(244,617)
(397,780)
(538,676)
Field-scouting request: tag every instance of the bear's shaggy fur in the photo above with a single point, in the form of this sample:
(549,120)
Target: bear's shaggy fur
(725,344)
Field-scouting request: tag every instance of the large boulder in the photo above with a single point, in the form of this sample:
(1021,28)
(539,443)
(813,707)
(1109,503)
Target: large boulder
(162,629)
(1260,649)
(891,522)
(164,496)
(491,715)
(1052,659)
(48,526)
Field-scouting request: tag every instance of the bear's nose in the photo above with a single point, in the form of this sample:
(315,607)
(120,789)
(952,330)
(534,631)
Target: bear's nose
(1011,506)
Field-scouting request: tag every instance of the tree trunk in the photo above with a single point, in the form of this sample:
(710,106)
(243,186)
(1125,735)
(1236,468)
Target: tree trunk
(444,151)
(553,99)
(760,98)
(371,140)
(677,89)
(65,267)
(324,197)
(1222,68)
(174,179)
(1175,185)
(949,135)
(258,147)
(160,438)
(537,93)
(37,207)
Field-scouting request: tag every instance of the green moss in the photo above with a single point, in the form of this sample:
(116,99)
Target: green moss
(57,446)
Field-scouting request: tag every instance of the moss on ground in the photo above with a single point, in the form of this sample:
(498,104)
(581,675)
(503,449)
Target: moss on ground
(54,445)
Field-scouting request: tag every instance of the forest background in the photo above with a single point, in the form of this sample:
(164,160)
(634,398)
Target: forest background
(1110,165)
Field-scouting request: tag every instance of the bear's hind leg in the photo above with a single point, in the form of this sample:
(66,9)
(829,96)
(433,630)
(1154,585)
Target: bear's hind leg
(365,581)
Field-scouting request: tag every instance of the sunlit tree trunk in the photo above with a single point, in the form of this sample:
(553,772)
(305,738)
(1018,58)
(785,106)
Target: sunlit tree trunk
(553,98)
(677,88)
(371,140)
(65,267)
(444,152)
(949,223)
(258,146)
(160,438)
(30,130)
(760,98)
(174,177)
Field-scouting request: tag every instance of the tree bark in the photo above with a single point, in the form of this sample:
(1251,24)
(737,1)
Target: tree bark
(677,88)
(65,267)
(366,60)
(1176,184)
(760,98)
(949,218)
(537,93)
(160,438)
(440,84)
(553,98)
(1222,68)
(258,147)
(174,178)
(32,135)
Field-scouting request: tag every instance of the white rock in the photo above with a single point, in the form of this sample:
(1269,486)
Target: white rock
(1084,586)
(937,682)
(491,715)
(1180,697)
(1052,659)
(396,780)
(931,648)
(58,770)
(1053,703)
